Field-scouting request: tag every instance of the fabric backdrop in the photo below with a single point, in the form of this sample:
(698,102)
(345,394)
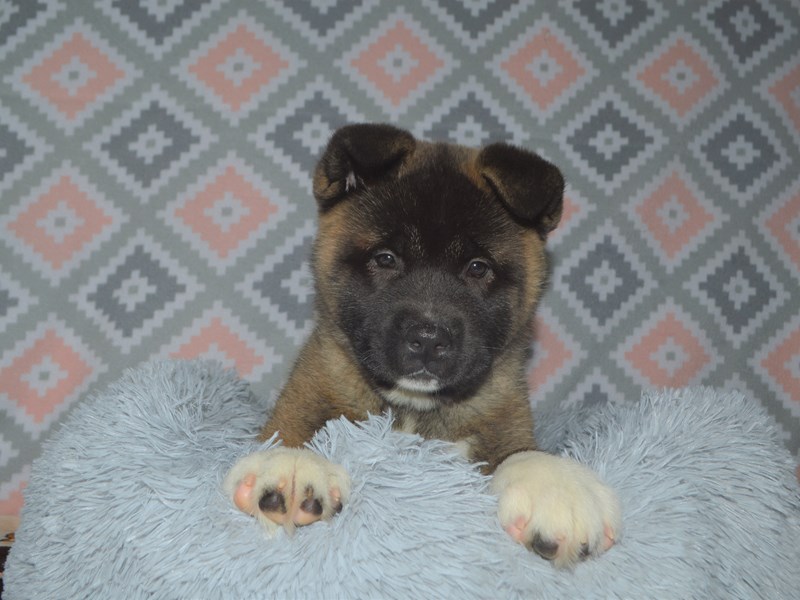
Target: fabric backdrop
(155,190)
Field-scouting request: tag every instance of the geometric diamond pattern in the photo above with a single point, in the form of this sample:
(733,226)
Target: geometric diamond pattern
(398,63)
(290,304)
(470,116)
(15,300)
(603,280)
(73,76)
(741,152)
(157,26)
(20,149)
(44,374)
(320,23)
(21,18)
(61,223)
(220,336)
(238,67)
(673,216)
(136,292)
(225,212)
(555,353)
(297,134)
(609,141)
(782,224)
(543,68)
(784,91)
(155,184)
(475,23)
(616,26)
(667,350)
(738,290)
(679,77)
(747,30)
(150,143)
(778,362)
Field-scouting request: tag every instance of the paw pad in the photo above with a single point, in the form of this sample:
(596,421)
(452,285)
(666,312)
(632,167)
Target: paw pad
(287,487)
(556,507)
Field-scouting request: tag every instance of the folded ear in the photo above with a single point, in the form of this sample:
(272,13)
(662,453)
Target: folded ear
(359,155)
(531,188)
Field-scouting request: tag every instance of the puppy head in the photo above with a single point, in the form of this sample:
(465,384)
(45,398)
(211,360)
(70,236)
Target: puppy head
(429,257)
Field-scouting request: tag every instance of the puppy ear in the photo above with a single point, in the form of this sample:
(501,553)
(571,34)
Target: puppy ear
(359,155)
(531,188)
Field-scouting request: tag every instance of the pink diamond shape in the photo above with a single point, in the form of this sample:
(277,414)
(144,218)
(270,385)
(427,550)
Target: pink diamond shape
(229,186)
(44,376)
(673,237)
(647,355)
(544,51)
(82,220)
(216,340)
(236,93)
(71,102)
(787,92)
(399,40)
(785,226)
(783,365)
(680,61)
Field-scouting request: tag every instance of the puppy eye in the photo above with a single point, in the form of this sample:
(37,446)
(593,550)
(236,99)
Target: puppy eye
(386,260)
(477,269)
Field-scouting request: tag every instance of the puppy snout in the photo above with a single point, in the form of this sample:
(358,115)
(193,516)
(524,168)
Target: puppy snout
(428,341)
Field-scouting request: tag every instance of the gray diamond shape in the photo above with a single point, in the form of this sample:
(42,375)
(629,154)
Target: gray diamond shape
(738,290)
(604,261)
(22,13)
(615,29)
(320,16)
(469,107)
(274,285)
(8,302)
(107,296)
(475,22)
(745,26)
(609,161)
(121,147)
(735,138)
(13,151)
(284,135)
(158,27)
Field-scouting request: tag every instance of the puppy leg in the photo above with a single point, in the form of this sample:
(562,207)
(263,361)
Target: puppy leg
(556,507)
(287,487)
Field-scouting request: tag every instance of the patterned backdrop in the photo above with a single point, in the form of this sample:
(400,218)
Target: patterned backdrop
(154,177)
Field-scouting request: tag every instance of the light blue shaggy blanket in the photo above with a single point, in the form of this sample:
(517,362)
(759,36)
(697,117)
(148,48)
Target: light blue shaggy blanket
(126,503)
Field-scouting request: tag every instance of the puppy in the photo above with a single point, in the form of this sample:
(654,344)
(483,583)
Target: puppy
(429,263)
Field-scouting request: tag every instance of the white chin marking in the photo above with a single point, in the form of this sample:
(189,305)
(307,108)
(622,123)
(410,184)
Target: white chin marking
(420,386)
(413,393)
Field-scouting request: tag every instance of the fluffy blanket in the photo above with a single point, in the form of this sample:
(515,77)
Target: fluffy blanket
(125,502)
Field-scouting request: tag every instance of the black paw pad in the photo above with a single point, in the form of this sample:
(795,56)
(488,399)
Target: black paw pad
(272,501)
(311,505)
(545,548)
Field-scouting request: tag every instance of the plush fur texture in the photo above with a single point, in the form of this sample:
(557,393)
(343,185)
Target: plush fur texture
(126,502)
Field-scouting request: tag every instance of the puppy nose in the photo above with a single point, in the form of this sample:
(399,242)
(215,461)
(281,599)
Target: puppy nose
(428,341)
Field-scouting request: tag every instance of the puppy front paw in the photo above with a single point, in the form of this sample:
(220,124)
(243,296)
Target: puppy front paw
(287,487)
(556,507)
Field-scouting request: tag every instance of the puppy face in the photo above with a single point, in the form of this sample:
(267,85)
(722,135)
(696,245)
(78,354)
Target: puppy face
(428,273)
